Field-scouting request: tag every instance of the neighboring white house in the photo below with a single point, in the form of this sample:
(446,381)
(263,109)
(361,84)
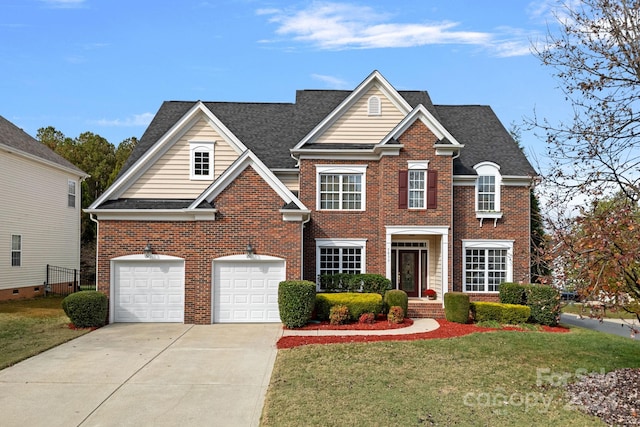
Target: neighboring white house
(40,208)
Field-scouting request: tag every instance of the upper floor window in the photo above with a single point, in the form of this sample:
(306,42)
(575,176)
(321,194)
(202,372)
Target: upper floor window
(375,108)
(341,188)
(417,187)
(16,250)
(488,186)
(71,194)
(201,160)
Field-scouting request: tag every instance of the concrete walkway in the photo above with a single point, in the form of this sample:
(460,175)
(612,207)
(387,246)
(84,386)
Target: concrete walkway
(419,326)
(145,375)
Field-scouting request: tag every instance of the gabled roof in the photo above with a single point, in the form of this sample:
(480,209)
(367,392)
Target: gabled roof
(16,140)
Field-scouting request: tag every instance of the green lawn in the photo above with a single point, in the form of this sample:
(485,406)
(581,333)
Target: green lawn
(31,326)
(577,308)
(498,379)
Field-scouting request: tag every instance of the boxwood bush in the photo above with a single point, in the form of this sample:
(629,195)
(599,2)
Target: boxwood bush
(357,303)
(343,282)
(396,297)
(512,293)
(456,307)
(296,299)
(86,309)
(544,302)
(507,314)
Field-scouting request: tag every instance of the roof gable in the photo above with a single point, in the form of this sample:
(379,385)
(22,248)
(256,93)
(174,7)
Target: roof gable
(16,140)
(375,82)
(147,159)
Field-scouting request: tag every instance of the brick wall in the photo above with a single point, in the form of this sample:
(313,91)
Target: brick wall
(248,212)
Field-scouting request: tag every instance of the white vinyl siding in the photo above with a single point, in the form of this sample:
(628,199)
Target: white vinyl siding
(290,180)
(49,229)
(169,177)
(358,126)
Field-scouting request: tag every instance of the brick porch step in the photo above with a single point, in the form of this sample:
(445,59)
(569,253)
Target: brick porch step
(419,309)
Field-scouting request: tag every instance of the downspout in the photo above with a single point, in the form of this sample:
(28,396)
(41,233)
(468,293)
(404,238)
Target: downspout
(302,246)
(97,246)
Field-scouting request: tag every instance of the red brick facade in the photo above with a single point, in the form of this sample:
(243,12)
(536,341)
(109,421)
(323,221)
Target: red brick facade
(249,211)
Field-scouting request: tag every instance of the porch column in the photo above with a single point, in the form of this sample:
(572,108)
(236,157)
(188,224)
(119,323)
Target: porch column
(444,247)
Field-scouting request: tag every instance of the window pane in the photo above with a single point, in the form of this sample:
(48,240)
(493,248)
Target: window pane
(416,188)
(341,191)
(486,193)
(71,198)
(485,269)
(201,163)
(340,260)
(16,250)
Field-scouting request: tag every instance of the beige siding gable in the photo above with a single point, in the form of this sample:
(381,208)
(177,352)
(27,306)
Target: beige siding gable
(358,127)
(169,176)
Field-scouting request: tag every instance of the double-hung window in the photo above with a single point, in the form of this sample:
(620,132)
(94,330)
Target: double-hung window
(417,189)
(418,186)
(71,194)
(341,188)
(486,193)
(16,250)
(487,264)
(340,256)
(201,154)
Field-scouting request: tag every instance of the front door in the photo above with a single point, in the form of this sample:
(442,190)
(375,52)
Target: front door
(408,267)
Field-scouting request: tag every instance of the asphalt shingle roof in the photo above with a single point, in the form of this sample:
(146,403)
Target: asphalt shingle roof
(14,137)
(270,130)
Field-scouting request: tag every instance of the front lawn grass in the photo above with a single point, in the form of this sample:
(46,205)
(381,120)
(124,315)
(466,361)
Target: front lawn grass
(31,326)
(497,378)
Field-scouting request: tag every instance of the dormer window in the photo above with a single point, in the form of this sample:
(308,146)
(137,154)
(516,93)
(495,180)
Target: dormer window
(201,160)
(488,186)
(375,109)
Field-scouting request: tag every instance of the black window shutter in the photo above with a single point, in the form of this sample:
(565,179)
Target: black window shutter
(403,191)
(432,189)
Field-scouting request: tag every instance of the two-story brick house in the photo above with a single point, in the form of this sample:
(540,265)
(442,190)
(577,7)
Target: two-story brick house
(219,202)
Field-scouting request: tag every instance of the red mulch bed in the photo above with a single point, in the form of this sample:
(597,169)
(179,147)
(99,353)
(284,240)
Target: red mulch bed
(446,330)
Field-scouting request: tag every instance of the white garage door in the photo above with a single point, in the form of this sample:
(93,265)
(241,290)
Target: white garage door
(149,291)
(247,291)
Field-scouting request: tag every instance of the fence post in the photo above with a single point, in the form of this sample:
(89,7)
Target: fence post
(76,283)
(46,283)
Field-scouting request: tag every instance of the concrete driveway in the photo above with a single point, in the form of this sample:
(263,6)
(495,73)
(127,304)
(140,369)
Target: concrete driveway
(145,375)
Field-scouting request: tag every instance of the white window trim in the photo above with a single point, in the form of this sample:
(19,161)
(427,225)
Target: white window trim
(74,194)
(486,244)
(19,250)
(371,111)
(341,170)
(200,147)
(343,243)
(421,165)
(489,169)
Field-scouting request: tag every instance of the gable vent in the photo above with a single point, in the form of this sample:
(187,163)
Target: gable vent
(374,106)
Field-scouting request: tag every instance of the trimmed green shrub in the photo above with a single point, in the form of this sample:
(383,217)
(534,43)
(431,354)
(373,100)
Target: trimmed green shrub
(339,315)
(358,303)
(395,315)
(396,297)
(506,314)
(544,302)
(343,282)
(456,307)
(86,309)
(296,299)
(512,293)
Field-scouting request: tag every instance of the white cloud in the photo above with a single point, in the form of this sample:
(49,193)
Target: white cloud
(331,81)
(136,120)
(340,26)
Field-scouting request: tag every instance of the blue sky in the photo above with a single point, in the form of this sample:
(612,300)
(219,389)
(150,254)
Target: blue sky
(106,66)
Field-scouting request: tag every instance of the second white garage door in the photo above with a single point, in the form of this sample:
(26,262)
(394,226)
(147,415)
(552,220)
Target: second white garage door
(247,291)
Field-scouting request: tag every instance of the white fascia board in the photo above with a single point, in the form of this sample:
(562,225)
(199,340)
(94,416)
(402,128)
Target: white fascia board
(154,214)
(247,159)
(374,153)
(374,79)
(163,144)
(422,114)
(13,150)
(507,180)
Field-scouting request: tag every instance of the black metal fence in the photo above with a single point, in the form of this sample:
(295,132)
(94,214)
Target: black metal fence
(61,280)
